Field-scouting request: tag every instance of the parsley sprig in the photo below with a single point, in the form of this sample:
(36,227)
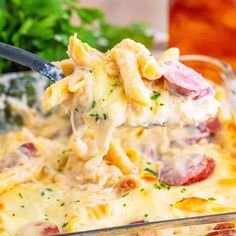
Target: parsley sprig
(44,26)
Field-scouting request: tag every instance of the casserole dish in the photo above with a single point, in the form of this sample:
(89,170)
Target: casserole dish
(221,74)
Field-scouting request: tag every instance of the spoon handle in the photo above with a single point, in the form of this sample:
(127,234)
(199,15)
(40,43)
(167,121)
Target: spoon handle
(31,61)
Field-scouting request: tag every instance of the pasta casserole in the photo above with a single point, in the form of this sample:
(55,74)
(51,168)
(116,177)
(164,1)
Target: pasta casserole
(146,139)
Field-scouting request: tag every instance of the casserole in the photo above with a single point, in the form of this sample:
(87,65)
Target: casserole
(223,74)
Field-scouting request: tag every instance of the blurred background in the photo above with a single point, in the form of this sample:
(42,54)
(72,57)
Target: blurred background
(44,26)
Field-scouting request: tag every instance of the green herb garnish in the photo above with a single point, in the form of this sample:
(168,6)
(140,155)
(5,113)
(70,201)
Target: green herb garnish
(146,215)
(95,116)
(183,190)
(49,189)
(77,201)
(20,195)
(43,27)
(64,224)
(150,171)
(105,116)
(155,96)
(162,186)
(62,204)
(93,104)
(211,199)
(125,195)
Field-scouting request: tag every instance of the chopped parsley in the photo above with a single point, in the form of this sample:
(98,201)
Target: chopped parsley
(150,171)
(211,199)
(49,189)
(90,71)
(155,96)
(43,193)
(125,195)
(62,204)
(141,189)
(124,205)
(105,116)
(77,201)
(149,163)
(64,224)
(66,215)
(151,108)
(65,150)
(95,116)
(93,104)
(161,104)
(46,217)
(20,195)
(22,206)
(13,214)
(183,190)
(146,215)
(161,186)
(115,85)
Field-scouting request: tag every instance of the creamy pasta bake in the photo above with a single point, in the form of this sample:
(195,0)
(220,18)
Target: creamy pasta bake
(100,167)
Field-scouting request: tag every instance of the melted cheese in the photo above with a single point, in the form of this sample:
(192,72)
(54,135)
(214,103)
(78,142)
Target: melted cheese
(76,180)
(120,87)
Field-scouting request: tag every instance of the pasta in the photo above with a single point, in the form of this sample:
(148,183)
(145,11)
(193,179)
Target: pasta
(59,178)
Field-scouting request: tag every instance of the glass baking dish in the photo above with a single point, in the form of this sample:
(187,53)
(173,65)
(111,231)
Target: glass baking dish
(220,73)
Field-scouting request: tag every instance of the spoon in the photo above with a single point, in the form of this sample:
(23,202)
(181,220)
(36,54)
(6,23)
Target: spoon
(31,61)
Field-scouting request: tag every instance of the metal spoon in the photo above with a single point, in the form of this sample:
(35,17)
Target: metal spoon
(31,61)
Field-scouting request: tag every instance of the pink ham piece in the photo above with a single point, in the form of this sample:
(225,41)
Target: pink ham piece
(184,81)
(185,169)
(41,228)
(28,149)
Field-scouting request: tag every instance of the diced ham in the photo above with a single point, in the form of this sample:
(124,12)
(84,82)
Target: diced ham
(185,169)
(28,149)
(41,228)
(184,81)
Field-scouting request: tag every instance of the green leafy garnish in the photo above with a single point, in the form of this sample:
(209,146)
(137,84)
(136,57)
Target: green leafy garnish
(49,189)
(125,195)
(93,104)
(20,195)
(64,224)
(105,116)
(162,186)
(95,116)
(183,190)
(43,27)
(155,96)
(211,199)
(150,171)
